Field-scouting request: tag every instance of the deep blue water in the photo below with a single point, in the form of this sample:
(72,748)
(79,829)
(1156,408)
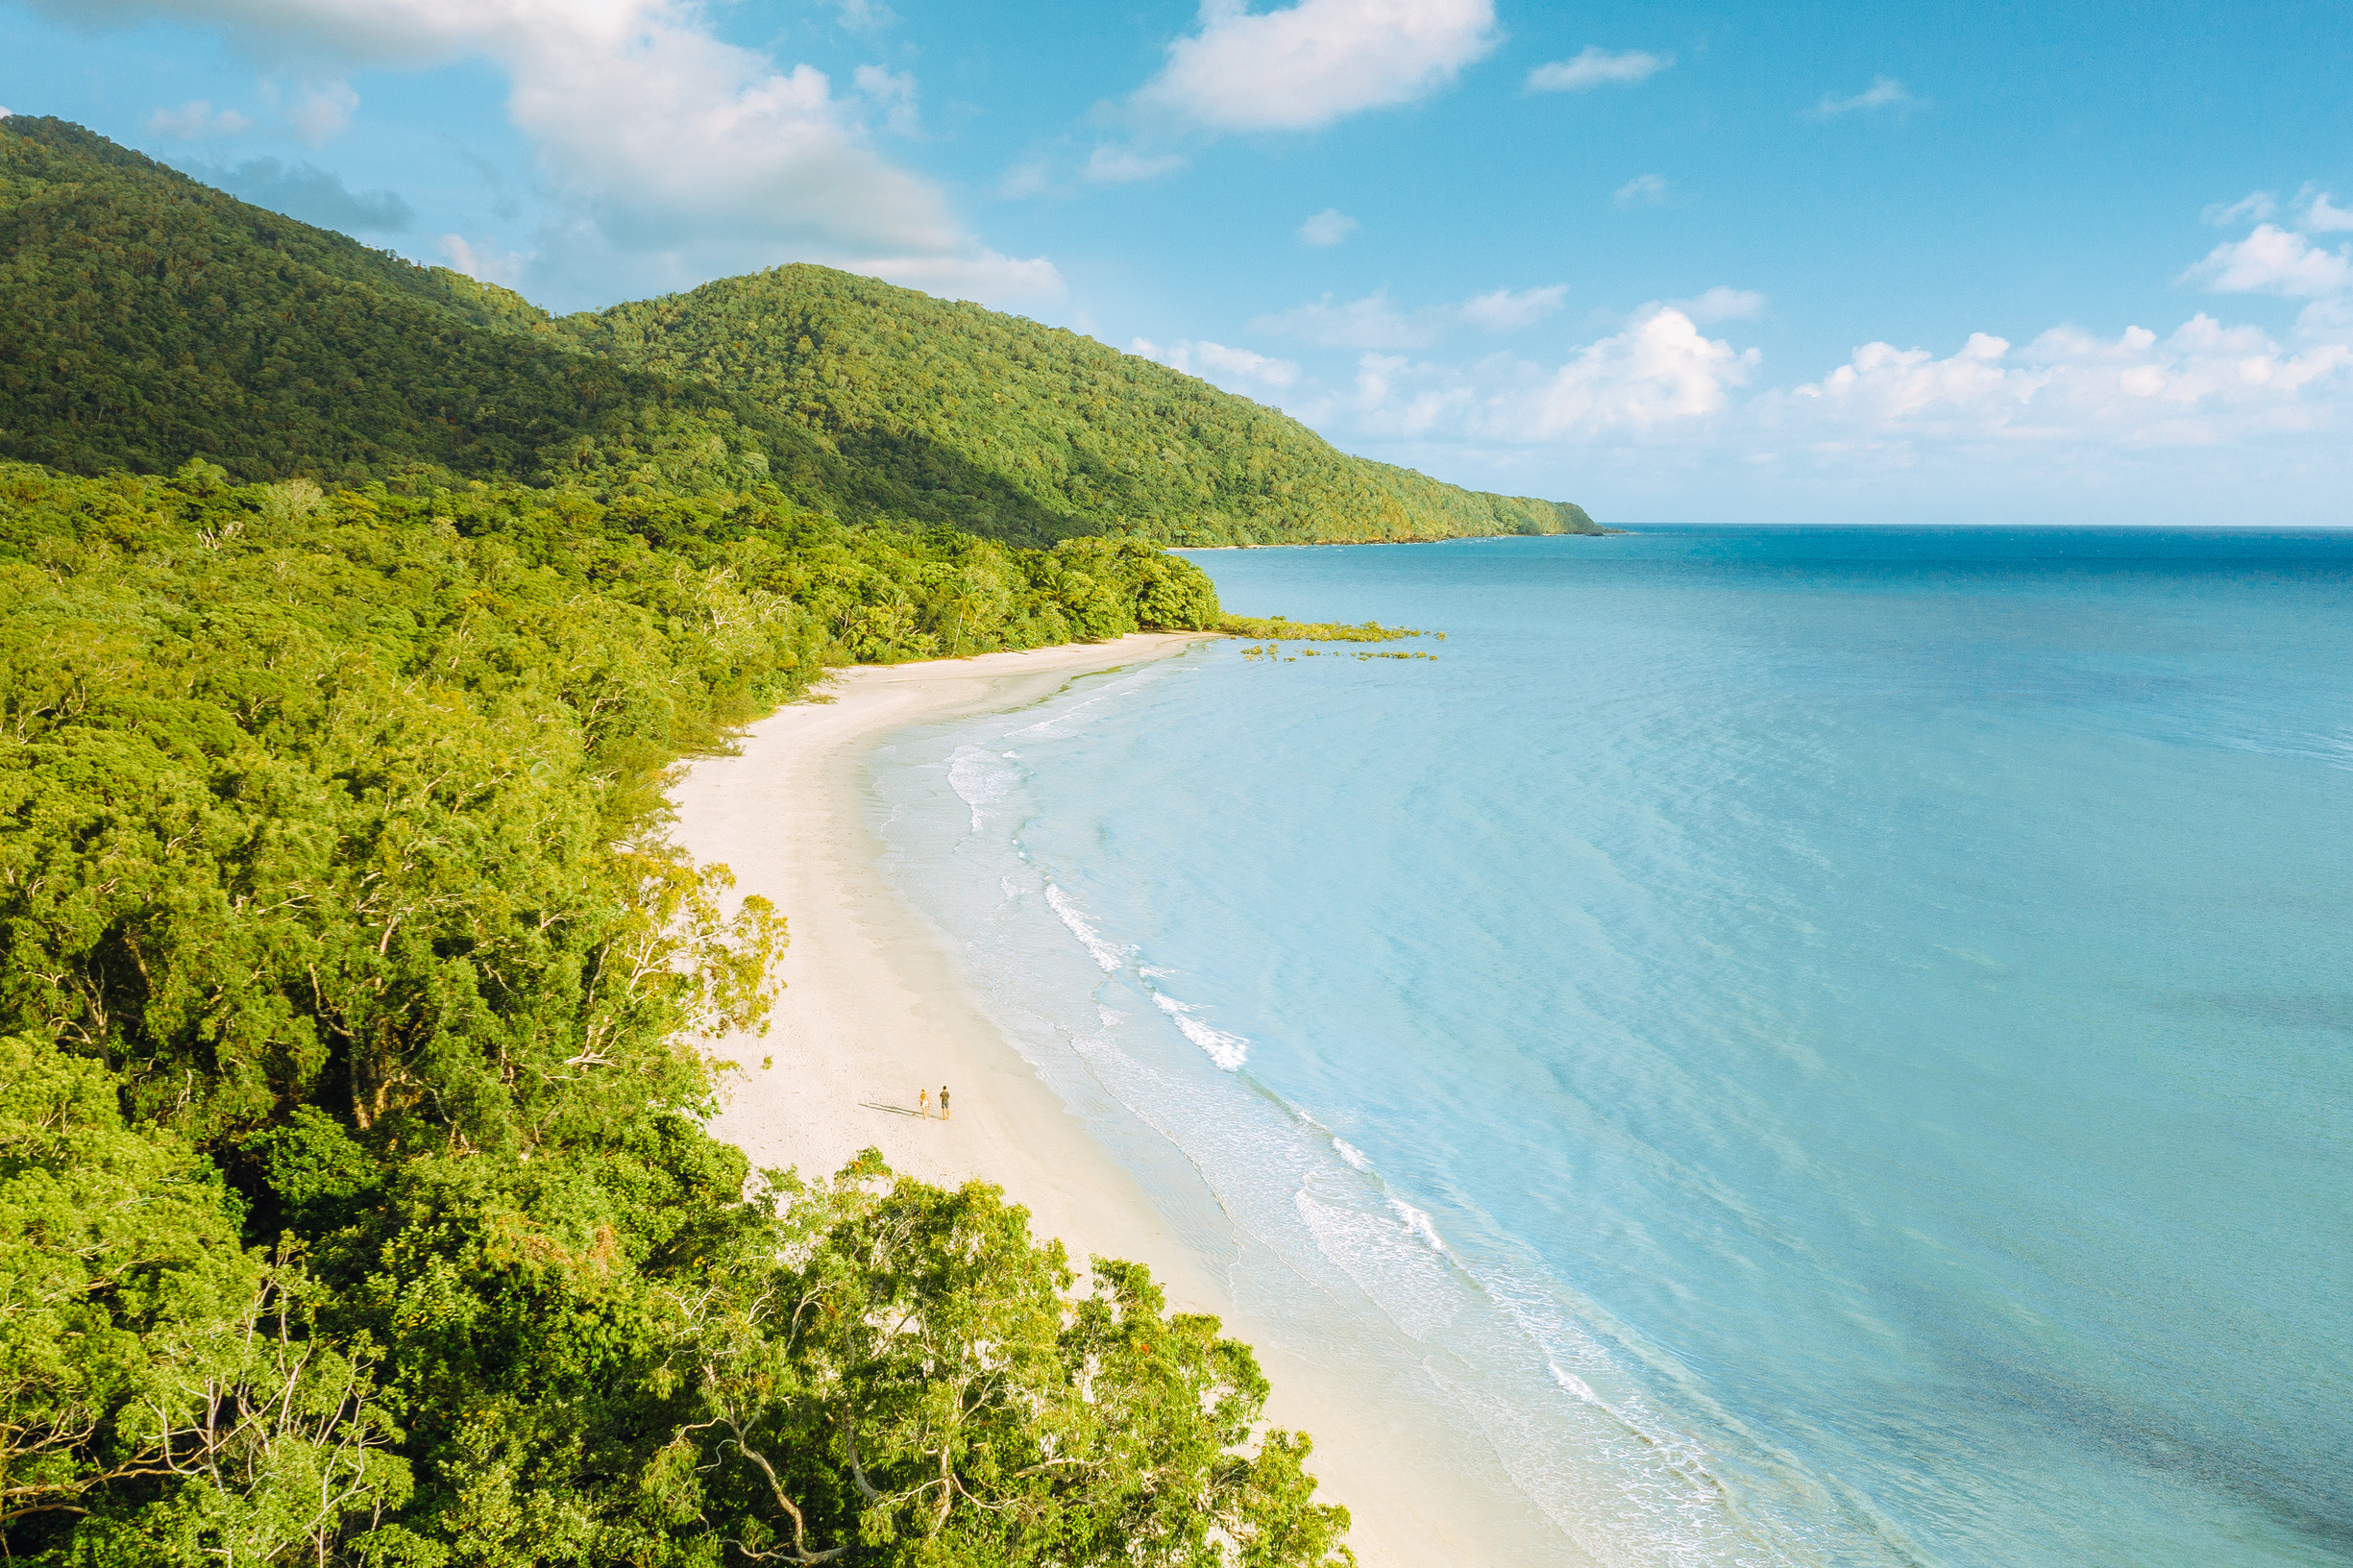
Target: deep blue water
(1836,1046)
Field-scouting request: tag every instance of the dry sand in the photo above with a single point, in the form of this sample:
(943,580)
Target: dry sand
(873,1011)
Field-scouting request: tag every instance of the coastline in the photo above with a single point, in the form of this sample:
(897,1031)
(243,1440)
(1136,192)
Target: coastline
(873,1009)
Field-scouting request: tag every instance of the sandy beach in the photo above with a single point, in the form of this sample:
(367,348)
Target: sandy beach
(873,1011)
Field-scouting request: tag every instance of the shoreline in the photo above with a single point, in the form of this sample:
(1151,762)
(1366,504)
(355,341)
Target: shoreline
(873,1011)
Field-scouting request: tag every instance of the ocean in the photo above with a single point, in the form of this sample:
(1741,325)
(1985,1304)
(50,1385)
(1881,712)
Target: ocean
(1827,1046)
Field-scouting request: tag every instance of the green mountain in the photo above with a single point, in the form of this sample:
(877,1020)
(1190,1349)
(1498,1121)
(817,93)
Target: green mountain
(146,319)
(1065,434)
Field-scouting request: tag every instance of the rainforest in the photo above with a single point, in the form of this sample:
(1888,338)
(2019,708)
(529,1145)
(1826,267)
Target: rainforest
(356,1205)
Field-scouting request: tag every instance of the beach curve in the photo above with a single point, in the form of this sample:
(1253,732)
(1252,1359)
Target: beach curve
(874,1014)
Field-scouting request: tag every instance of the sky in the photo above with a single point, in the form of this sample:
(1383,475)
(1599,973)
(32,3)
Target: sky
(1797,262)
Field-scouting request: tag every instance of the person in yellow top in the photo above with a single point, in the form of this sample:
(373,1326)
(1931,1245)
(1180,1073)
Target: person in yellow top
(922,1104)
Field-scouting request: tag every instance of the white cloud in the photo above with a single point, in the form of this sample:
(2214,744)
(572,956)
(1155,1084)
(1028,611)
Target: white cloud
(1656,375)
(687,153)
(1596,66)
(2069,409)
(1885,92)
(1505,310)
(893,93)
(2203,385)
(196,120)
(2252,207)
(1236,370)
(1660,369)
(1329,227)
(1722,304)
(2070,425)
(985,277)
(1310,63)
(1642,190)
(1111,165)
(2317,214)
(485,260)
(1990,412)
(2271,260)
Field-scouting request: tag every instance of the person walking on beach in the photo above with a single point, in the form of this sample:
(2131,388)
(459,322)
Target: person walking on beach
(922,1103)
(943,1102)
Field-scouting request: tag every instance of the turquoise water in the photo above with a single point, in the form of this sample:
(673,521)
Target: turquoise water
(1830,1046)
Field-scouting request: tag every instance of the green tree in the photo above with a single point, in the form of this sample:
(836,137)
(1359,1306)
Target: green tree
(160,1393)
(918,1384)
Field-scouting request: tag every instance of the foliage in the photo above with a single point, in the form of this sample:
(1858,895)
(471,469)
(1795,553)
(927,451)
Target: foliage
(354,1202)
(146,320)
(160,1390)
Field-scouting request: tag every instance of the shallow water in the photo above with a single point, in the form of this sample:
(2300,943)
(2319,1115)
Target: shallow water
(1836,1046)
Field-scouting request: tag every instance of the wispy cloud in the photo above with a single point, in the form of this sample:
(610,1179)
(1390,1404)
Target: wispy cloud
(315,114)
(1373,322)
(1884,96)
(864,15)
(1376,320)
(893,93)
(1111,165)
(1722,304)
(197,120)
(1642,190)
(1329,227)
(1597,68)
(2252,207)
(984,275)
(2317,214)
(1509,311)
(1309,64)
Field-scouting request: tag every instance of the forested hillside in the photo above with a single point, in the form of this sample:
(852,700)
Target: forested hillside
(1040,432)
(146,319)
(355,1206)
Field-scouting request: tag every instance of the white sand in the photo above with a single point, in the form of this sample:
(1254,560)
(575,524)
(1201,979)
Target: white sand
(873,1011)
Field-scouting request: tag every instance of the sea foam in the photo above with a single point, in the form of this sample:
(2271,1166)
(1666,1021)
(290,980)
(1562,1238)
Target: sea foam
(1228,1050)
(1111,958)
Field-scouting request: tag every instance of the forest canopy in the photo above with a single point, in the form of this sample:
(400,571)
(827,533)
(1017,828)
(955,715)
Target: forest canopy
(354,1202)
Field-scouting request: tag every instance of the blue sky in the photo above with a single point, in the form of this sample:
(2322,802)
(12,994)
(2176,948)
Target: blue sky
(1786,263)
